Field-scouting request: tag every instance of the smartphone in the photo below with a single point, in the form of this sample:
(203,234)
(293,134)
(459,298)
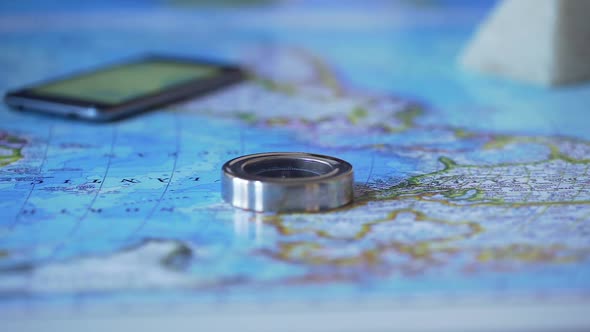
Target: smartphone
(125,88)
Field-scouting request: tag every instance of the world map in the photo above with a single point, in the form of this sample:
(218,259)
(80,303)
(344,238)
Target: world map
(464,185)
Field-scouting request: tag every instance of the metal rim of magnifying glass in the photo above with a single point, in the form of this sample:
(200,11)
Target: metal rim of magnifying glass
(287,182)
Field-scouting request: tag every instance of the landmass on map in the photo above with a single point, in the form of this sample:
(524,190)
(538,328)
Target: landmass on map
(10,148)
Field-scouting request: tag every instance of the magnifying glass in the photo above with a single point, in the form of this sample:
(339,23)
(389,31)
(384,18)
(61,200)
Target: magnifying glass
(287,182)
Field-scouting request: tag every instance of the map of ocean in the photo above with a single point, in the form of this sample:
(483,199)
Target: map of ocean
(465,185)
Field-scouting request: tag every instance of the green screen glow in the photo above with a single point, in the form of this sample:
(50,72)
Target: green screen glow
(125,82)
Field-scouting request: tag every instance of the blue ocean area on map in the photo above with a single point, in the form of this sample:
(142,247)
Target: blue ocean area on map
(464,184)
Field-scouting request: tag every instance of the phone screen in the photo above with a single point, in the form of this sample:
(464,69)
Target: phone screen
(121,83)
